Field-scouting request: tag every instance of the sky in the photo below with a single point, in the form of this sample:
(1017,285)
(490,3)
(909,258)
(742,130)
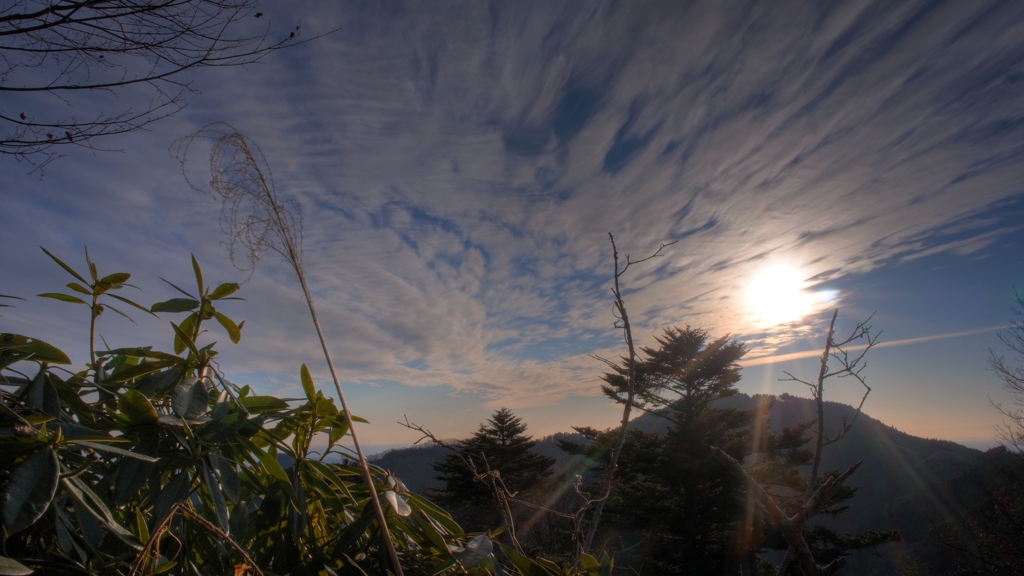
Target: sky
(459,167)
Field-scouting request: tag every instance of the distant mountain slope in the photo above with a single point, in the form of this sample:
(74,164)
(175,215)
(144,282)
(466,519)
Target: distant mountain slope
(902,483)
(412,465)
(895,463)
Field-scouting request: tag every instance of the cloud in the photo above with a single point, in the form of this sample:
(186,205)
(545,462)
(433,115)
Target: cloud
(459,169)
(778,358)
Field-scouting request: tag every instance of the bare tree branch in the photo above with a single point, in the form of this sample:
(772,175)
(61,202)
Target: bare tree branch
(628,403)
(57,48)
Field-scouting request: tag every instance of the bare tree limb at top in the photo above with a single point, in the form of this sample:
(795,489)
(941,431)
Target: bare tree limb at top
(622,322)
(52,52)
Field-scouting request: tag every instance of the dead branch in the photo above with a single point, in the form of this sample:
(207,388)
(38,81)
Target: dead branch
(792,527)
(619,311)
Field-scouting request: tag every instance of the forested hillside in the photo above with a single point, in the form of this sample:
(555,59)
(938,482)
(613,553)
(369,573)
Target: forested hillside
(905,482)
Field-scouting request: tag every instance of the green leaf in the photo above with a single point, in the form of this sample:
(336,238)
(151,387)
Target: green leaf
(98,509)
(42,394)
(92,266)
(272,466)
(118,311)
(62,297)
(190,399)
(428,528)
(72,431)
(155,382)
(89,526)
(435,513)
(221,406)
(175,305)
(257,404)
(326,471)
(525,565)
(229,480)
(64,266)
(199,274)
(307,383)
(140,525)
(79,288)
(130,303)
(339,428)
(114,450)
(137,408)
(234,332)
(11,567)
(270,463)
(224,290)
(183,340)
(132,372)
(175,491)
(114,279)
(135,468)
(15,348)
(177,288)
(29,490)
(351,534)
(212,485)
(145,352)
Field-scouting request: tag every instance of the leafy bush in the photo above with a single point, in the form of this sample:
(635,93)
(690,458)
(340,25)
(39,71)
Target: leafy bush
(149,462)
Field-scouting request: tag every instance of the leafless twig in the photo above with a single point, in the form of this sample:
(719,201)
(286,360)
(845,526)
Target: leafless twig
(619,307)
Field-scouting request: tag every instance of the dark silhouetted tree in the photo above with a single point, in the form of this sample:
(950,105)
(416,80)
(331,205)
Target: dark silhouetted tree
(1011,432)
(499,447)
(674,509)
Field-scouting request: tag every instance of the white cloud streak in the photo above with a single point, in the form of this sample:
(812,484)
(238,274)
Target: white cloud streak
(459,169)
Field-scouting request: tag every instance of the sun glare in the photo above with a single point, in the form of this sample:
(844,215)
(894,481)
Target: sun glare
(779,294)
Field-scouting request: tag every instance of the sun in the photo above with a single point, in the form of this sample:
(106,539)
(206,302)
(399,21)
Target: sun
(778,295)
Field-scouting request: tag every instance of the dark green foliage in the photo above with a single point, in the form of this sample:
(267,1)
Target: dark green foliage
(673,506)
(500,445)
(976,519)
(147,462)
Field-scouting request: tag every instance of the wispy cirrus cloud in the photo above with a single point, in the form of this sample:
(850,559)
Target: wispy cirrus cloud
(459,168)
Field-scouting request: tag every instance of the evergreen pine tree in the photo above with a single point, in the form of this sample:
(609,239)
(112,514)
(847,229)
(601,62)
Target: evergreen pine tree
(674,508)
(501,445)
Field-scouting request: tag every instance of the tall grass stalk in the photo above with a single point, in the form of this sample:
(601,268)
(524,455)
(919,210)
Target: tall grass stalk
(254,218)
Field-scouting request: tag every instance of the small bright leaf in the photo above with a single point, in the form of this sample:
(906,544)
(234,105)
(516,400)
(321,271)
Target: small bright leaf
(399,504)
(137,408)
(307,383)
(183,340)
(199,274)
(79,288)
(262,403)
(224,290)
(62,297)
(234,332)
(476,550)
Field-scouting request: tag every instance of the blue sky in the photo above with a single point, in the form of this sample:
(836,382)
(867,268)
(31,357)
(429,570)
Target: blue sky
(459,167)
